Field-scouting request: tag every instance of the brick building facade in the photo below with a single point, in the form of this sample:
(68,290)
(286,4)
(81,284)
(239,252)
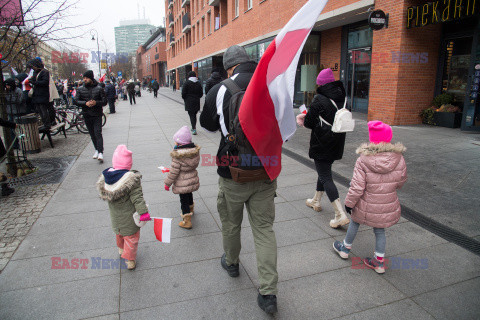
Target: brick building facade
(151,58)
(392,74)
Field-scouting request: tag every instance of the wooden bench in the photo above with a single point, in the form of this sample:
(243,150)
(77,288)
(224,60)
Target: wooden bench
(47,132)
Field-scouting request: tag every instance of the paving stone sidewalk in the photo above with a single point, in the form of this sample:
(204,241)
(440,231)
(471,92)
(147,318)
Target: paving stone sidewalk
(20,210)
(184,279)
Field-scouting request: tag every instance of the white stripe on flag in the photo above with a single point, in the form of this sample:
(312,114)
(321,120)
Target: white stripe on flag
(166,230)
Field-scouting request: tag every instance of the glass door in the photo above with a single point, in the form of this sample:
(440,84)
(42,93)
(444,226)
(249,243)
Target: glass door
(358,78)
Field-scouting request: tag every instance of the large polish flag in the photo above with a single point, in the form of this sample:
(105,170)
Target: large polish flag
(266,114)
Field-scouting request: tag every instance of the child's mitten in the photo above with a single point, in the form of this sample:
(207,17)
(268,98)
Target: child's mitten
(145,217)
(348,209)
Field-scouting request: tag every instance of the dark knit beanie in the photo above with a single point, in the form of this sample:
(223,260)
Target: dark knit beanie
(89,75)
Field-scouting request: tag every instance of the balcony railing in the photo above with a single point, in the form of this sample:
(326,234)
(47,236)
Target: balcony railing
(185,2)
(186,24)
(170,4)
(213,3)
(170,20)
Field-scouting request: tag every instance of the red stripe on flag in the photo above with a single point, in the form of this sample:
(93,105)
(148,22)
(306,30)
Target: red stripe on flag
(157,228)
(258,120)
(285,53)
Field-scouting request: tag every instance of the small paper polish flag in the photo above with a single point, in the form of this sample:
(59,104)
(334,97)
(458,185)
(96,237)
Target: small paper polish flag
(162,228)
(164,169)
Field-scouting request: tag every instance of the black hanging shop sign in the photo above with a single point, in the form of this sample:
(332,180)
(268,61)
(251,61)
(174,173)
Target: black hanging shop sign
(377,20)
(441,11)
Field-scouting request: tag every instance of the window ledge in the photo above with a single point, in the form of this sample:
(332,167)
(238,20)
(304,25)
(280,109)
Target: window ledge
(262,1)
(249,10)
(235,18)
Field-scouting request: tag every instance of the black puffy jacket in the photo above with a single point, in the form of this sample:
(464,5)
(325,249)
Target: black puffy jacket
(325,145)
(91,92)
(191,94)
(110,92)
(210,120)
(212,81)
(41,83)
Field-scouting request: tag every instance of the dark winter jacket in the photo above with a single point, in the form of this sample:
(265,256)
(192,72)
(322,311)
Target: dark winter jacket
(210,120)
(213,80)
(40,82)
(92,92)
(155,85)
(16,103)
(6,124)
(131,88)
(110,92)
(324,144)
(192,91)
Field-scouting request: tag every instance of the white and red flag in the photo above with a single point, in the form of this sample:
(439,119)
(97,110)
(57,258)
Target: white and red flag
(266,114)
(162,228)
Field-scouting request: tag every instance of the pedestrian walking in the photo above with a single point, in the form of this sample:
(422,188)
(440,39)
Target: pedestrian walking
(91,97)
(111,95)
(192,91)
(325,145)
(174,85)
(137,89)
(372,198)
(131,91)
(121,187)
(215,78)
(183,173)
(155,87)
(40,81)
(257,195)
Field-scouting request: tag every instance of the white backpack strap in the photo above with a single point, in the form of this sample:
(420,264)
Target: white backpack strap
(334,104)
(345,103)
(325,121)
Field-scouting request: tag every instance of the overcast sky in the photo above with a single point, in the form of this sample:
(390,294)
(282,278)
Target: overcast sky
(106,15)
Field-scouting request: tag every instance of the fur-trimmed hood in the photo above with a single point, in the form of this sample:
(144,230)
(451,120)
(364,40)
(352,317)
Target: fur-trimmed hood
(382,157)
(119,189)
(185,153)
(370,149)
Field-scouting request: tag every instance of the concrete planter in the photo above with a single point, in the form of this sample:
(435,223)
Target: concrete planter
(447,119)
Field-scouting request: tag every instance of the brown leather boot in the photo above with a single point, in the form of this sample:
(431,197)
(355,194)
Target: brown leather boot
(187,221)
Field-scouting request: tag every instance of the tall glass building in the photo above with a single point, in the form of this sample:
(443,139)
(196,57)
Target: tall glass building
(132,33)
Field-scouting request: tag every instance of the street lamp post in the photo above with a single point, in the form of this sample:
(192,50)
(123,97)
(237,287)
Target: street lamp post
(98,51)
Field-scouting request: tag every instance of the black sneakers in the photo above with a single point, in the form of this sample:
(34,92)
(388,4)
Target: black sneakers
(267,303)
(6,190)
(232,270)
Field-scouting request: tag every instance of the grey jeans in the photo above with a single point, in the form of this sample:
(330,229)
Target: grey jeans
(380,239)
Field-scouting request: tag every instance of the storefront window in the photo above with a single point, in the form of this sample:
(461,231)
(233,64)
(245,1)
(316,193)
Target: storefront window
(456,67)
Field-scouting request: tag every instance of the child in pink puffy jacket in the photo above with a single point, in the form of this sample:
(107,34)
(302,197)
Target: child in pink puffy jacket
(372,198)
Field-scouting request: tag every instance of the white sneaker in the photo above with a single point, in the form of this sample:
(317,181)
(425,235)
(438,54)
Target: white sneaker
(100,157)
(95,155)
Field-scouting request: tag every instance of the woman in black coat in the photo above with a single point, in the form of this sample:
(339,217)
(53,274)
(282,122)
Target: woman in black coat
(325,145)
(192,91)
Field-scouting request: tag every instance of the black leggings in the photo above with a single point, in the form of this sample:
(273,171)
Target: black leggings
(132,96)
(186,200)
(193,119)
(325,180)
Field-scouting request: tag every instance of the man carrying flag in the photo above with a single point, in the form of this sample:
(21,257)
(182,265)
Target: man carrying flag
(267,120)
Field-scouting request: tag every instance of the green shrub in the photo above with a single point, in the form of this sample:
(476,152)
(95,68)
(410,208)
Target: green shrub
(441,99)
(427,116)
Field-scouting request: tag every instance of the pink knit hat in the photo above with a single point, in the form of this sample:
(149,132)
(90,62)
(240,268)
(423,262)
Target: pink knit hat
(122,158)
(379,132)
(183,136)
(325,76)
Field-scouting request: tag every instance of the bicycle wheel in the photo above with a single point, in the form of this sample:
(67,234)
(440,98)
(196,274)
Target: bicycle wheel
(80,121)
(104,119)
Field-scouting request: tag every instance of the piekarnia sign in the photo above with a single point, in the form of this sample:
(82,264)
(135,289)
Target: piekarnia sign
(441,11)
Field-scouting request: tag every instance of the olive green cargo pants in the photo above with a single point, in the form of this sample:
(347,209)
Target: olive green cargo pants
(258,197)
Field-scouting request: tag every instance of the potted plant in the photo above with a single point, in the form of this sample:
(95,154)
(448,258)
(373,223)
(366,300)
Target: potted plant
(443,113)
(448,116)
